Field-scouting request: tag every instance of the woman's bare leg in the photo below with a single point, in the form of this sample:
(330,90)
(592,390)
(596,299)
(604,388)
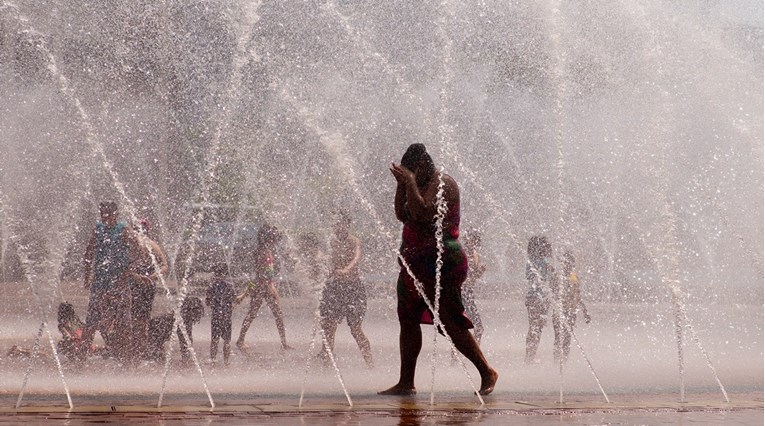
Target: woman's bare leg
(465,343)
(272,299)
(410,344)
(255,303)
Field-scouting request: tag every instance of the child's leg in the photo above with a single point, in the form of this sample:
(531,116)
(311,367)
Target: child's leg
(214,348)
(329,328)
(559,333)
(536,322)
(571,320)
(227,352)
(363,342)
(226,334)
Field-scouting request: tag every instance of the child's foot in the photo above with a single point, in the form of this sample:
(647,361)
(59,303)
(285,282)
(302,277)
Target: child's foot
(324,358)
(243,347)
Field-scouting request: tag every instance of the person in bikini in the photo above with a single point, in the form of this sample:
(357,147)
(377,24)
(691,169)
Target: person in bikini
(262,287)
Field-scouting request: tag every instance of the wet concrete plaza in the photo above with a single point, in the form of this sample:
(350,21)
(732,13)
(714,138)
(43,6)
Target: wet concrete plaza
(638,372)
(706,409)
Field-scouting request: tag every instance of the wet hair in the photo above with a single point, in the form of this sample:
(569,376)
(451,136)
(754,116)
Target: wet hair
(220,269)
(66,312)
(539,247)
(309,240)
(344,217)
(107,206)
(416,154)
(569,262)
(268,233)
(192,310)
(145,226)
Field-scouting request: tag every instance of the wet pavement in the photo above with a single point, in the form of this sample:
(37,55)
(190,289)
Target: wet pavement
(635,360)
(702,409)
(742,417)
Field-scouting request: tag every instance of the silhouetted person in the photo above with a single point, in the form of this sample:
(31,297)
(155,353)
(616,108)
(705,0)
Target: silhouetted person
(106,262)
(568,300)
(416,206)
(344,295)
(262,285)
(145,272)
(71,327)
(220,297)
(475,272)
(539,273)
(161,328)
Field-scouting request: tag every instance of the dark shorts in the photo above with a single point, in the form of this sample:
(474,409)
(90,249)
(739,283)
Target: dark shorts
(411,306)
(221,328)
(344,299)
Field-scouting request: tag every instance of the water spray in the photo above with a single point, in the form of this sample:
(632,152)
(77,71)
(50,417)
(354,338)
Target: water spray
(441,209)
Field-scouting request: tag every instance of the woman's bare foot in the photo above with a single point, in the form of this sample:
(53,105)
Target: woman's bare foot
(399,390)
(488,382)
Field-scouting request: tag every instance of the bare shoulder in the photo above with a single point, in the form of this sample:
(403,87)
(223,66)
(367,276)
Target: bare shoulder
(449,182)
(451,188)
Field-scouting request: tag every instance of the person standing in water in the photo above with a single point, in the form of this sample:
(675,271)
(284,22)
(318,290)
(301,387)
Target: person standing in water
(416,206)
(220,298)
(262,286)
(540,274)
(106,262)
(344,295)
(568,300)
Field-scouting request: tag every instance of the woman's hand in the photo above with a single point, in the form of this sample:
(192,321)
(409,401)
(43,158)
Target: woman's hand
(401,173)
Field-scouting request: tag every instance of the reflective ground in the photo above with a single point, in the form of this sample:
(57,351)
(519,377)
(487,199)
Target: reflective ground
(630,347)
(645,410)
